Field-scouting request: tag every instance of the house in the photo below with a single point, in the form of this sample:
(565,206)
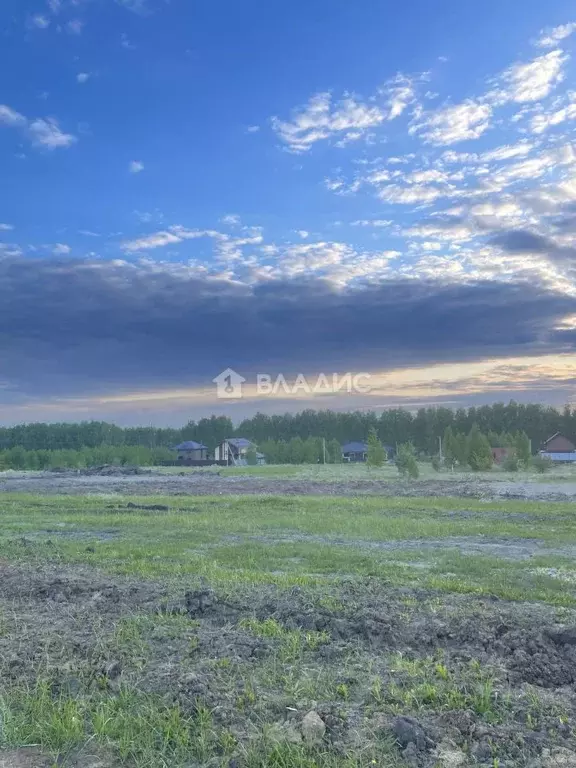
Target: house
(191,451)
(355,451)
(233,451)
(559,448)
(500,454)
(358,451)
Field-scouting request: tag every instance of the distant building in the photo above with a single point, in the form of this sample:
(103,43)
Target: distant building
(500,454)
(234,450)
(191,451)
(358,451)
(558,449)
(355,452)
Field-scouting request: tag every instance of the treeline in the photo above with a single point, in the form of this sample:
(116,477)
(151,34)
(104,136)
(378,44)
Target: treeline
(92,434)
(297,451)
(20,458)
(421,428)
(393,427)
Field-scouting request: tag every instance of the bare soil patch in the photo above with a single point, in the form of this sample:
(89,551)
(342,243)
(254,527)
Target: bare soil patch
(488,677)
(126,482)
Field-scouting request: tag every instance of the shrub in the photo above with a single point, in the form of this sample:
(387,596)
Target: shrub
(541,464)
(511,463)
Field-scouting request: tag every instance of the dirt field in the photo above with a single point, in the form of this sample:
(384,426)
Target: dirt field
(318,484)
(285,631)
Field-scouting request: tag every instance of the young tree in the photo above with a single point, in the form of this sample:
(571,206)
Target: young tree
(251,456)
(406,461)
(450,447)
(334,451)
(479,451)
(522,446)
(461,449)
(376,454)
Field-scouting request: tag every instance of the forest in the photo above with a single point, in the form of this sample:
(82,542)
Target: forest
(395,426)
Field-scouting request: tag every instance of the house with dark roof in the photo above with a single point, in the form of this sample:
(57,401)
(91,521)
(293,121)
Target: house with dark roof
(559,449)
(190,450)
(234,451)
(358,451)
(355,451)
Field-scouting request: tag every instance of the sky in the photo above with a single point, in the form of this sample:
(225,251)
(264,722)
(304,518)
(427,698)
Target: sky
(313,187)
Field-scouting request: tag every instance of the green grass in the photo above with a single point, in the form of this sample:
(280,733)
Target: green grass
(314,549)
(302,540)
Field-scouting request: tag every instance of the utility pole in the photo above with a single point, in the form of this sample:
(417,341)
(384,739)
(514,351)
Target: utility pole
(324,450)
(440,443)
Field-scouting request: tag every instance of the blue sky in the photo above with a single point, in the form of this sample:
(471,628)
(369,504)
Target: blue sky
(189,186)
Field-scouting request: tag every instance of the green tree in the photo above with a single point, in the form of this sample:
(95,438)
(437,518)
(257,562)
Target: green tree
(479,450)
(461,449)
(376,454)
(511,463)
(522,446)
(334,451)
(406,461)
(251,456)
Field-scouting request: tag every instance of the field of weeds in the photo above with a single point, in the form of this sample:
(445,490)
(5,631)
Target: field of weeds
(286,632)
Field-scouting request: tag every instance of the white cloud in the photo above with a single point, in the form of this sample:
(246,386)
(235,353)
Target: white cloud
(372,223)
(231,219)
(46,133)
(75,27)
(6,227)
(320,119)
(136,166)
(303,234)
(136,6)
(41,132)
(173,235)
(400,93)
(542,122)
(61,249)
(40,21)
(83,77)
(531,81)
(156,240)
(126,43)
(468,120)
(507,152)
(549,38)
(11,118)
(253,129)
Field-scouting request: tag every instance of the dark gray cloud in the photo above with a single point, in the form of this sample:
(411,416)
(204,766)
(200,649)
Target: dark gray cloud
(69,327)
(521,241)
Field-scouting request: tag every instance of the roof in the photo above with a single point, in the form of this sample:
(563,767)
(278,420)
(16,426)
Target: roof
(239,442)
(190,445)
(560,436)
(354,448)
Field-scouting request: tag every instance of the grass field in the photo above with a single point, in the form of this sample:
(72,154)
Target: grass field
(557,474)
(182,631)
